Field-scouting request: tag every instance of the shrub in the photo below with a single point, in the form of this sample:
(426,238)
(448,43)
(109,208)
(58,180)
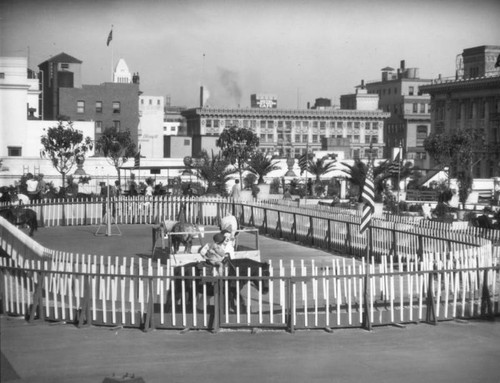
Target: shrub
(274,188)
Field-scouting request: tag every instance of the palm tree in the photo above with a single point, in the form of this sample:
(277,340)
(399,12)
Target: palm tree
(214,170)
(262,165)
(320,167)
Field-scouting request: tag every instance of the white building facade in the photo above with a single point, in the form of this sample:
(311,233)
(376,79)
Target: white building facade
(20,128)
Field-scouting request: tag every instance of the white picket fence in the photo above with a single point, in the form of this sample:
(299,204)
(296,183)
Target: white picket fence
(425,278)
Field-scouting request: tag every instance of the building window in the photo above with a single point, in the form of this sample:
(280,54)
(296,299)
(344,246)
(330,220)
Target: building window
(98,126)
(263,137)
(80,107)
(415,108)
(270,137)
(304,138)
(411,90)
(297,138)
(98,106)
(270,124)
(356,125)
(216,123)
(172,128)
(142,101)
(339,125)
(422,108)
(158,102)
(64,66)
(349,125)
(315,138)
(262,124)
(116,107)
(209,123)
(116,124)
(14,151)
(355,138)
(481,109)
(2,75)
(421,134)
(187,142)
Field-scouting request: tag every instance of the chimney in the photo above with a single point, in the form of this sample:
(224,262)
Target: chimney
(362,84)
(201,96)
(402,65)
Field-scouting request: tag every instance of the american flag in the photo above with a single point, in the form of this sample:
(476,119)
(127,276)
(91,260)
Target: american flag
(367,197)
(137,158)
(303,162)
(395,166)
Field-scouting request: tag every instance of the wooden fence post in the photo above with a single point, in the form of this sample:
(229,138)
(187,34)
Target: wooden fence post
(420,250)
(486,305)
(149,323)
(311,231)
(265,221)
(294,227)
(291,327)
(430,316)
(252,217)
(217,305)
(38,299)
(367,324)
(329,236)
(348,238)
(278,229)
(85,317)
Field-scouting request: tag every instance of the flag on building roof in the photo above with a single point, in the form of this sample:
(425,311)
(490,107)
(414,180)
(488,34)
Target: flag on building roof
(368,199)
(110,37)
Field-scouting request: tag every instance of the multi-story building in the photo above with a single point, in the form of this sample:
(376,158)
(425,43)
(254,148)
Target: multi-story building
(108,104)
(174,122)
(151,125)
(409,122)
(21,128)
(471,100)
(289,132)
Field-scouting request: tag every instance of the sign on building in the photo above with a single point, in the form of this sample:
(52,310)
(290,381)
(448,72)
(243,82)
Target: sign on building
(264,101)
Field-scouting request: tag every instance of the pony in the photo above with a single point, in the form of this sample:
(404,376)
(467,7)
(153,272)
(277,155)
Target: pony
(188,230)
(20,216)
(195,269)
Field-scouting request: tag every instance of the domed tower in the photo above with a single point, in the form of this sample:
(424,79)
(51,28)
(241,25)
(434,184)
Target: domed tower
(122,73)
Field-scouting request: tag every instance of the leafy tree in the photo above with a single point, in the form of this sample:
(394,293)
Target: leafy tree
(214,170)
(262,165)
(117,146)
(456,149)
(238,145)
(63,145)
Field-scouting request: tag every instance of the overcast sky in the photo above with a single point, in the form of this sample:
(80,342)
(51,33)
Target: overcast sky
(297,50)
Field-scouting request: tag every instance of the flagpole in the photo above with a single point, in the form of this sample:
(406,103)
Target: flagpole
(400,156)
